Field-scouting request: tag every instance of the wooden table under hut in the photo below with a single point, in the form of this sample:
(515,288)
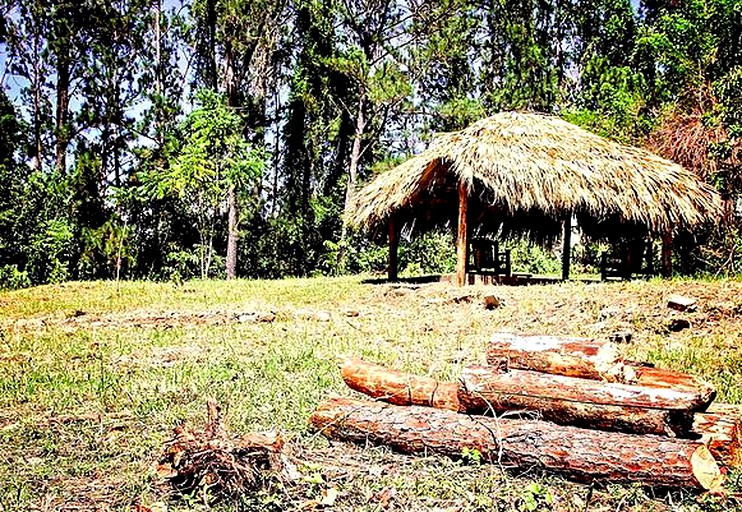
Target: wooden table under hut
(521,174)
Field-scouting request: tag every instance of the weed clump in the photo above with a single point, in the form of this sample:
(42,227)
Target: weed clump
(214,465)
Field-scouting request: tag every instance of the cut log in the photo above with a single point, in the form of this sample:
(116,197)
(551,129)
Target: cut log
(399,388)
(573,357)
(722,434)
(730,410)
(720,428)
(580,454)
(680,303)
(588,359)
(616,418)
(652,377)
(491,385)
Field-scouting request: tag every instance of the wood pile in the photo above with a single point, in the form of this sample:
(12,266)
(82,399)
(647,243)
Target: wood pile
(570,405)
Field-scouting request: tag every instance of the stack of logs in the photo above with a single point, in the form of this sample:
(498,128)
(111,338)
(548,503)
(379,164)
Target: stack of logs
(570,405)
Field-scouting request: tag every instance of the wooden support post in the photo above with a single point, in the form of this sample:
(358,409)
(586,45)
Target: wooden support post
(667,254)
(393,245)
(567,246)
(604,266)
(629,263)
(461,239)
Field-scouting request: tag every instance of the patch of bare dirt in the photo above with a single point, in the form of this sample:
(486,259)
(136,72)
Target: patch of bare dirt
(171,319)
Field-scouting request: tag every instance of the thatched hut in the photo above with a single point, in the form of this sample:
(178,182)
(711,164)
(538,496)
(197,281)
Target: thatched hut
(530,172)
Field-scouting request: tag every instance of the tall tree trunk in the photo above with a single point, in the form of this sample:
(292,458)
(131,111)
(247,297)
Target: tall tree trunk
(37,107)
(62,109)
(355,156)
(233,237)
(62,114)
(157,6)
(211,21)
(232,202)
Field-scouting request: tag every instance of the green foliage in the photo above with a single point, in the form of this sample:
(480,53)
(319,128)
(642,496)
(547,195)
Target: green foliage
(389,84)
(471,456)
(305,88)
(526,256)
(353,257)
(12,278)
(106,251)
(182,265)
(429,253)
(535,497)
(213,158)
(50,252)
(461,112)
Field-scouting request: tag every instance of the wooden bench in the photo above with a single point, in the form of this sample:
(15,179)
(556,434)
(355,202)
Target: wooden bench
(484,257)
(613,268)
(522,275)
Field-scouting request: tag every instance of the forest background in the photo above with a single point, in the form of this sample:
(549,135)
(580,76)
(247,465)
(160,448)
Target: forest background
(211,138)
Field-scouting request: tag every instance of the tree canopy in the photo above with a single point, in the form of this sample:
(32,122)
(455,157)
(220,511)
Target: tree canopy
(222,137)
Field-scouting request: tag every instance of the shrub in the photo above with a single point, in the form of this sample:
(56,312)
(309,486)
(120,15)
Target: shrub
(12,278)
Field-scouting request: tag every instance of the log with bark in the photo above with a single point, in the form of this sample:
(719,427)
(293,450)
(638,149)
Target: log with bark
(617,418)
(720,428)
(588,359)
(652,377)
(722,436)
(580,454)
(404,389)
(484,385)
(573,357)
(399,388)
(568,401)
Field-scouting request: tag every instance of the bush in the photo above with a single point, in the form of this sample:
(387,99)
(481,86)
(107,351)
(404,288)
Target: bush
(12,278)
(430,253)
(50,252)
(353,256)
(181,265)
(103,249)
(525,256)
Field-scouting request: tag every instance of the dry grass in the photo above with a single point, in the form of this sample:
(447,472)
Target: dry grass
(87,401)
(521,163)
(687,132)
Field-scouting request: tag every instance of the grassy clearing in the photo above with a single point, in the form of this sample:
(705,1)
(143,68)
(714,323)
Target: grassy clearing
(95,376)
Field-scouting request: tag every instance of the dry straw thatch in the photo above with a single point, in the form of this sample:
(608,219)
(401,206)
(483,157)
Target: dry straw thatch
(521,163)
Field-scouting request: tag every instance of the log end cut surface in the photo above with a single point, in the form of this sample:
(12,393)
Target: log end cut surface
(705,469)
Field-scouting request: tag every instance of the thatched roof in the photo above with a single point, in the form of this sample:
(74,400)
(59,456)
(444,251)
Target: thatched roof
(518,164)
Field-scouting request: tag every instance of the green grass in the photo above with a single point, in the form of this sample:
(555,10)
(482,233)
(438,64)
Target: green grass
(91,386)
